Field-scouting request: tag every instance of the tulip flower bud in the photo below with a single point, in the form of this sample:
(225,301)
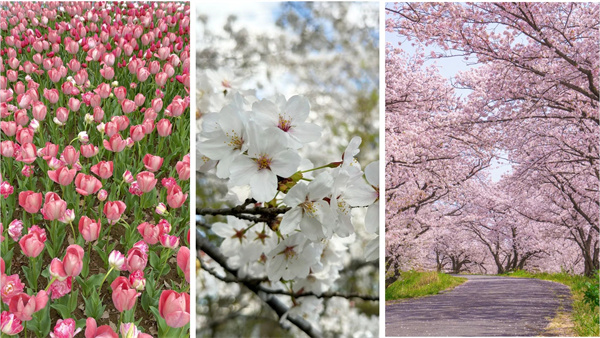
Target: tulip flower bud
(83,137)
(116,260)
(161,209)
(102,195)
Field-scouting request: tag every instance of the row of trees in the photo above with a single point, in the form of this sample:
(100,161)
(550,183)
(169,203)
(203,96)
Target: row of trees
(532,101)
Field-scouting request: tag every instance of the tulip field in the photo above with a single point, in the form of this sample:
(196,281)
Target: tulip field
(95,168)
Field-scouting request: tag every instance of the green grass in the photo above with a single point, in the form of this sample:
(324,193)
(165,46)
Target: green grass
(418,284)
(585,318)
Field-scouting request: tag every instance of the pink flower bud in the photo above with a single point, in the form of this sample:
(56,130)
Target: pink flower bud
(161,209)
(15,229)
(102,195)
(169,241)
(68,216)
(152,163)
(137,280)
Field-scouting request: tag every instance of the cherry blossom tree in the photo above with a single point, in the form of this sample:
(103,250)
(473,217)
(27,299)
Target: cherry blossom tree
(533,100)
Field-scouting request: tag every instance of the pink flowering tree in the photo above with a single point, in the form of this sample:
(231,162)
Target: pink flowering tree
(95,168)
(532,84)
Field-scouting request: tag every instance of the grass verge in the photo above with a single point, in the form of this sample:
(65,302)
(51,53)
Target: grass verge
(418,284)
(585,318)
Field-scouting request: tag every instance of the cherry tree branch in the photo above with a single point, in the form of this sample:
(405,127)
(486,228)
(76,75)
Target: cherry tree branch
(277,305)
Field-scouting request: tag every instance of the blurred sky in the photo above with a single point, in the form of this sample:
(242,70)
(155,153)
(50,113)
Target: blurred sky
(449,67)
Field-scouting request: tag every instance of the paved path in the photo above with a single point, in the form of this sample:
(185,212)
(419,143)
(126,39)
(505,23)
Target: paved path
(482,306)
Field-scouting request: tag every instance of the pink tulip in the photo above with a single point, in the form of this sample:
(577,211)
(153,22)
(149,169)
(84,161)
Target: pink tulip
(175,197)
(157,104)
(139,99)
(54,75)
(72,47)
(87,184)
(176,108)
(21,117)
(11,286)
(149,232)
(27,171)
(73,260)
(123,295)
(74,104)
(93,331)
(150,114)
(57,270)
(136,259)
(103,90)
(54,206)
(30,201)
(24,135)
(9,324)
(49,151)
(142,74)
(121,121)
(51,95)
(39,111)
(169,241)
(128,177)
(95,101)
(89,228)
(63,175)
(161,79)
(115,144)
(174,308)
(88,150)
(146,181)
(107,72)
(120,93)
(9,127)
(28,153)
(98,114)
(65,329)
(137,133)
(15,229)
(137,280)
(32,244)
(128,106)
(70,155)
(111,128)
(113,210)
(152,163)
(7,148)
(163,127)
(102,195)
(23,305)
(62,114)
(183,261)
(74,65)
(103,169)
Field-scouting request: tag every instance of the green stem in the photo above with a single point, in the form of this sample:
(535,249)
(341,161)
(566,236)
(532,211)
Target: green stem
(317,168)
(35,274)
(100,287)
(51,281)
(73,229)
(167,330)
